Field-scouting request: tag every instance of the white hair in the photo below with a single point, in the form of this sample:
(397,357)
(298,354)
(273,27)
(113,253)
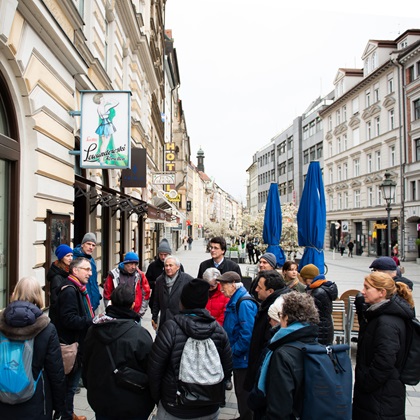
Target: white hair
(172,257)
(211,273)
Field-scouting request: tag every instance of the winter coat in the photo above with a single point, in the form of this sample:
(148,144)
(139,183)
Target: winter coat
(165,303)
(284,382)
(404,280)
(378,391)
(323,297)
(216,304)
(56,276)
(130,345)
(155,269)
(166,353)
(239,327)
(49,394)
(226,265)
(137,280)
(261,335)
(72,321)
(92,286)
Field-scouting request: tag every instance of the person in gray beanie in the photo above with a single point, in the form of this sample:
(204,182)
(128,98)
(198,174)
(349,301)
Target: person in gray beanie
(85,249)
(268,261)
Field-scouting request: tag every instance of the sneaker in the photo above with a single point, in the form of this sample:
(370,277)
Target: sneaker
(228,385)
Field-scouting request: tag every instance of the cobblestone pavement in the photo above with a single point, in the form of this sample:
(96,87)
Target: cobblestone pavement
(347,272)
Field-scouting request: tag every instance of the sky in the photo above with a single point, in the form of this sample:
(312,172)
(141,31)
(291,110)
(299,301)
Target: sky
(249,68)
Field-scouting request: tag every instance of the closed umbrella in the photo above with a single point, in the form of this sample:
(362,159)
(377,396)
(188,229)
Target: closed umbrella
(273,224)
(312,218)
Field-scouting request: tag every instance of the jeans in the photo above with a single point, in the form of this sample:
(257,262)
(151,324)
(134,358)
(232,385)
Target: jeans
(72,382)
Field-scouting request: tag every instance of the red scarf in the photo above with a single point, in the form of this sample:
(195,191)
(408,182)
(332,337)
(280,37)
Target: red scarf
(86,299)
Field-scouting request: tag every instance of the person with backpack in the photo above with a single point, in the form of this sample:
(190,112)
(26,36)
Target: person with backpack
(239,322)
(189,360)
(128,272)
(23,322)
(383,308)
(282,372)
(57,274)
(117,341)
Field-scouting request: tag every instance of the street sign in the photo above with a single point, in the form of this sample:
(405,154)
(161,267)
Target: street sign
(173,199)
(163,178)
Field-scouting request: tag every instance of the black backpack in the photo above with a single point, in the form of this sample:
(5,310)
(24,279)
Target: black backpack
(410,372)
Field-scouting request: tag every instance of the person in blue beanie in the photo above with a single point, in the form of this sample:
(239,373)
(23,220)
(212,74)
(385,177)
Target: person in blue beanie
(85,249)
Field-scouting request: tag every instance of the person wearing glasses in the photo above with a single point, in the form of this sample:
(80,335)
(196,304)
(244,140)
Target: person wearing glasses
(75,316)
(218,260)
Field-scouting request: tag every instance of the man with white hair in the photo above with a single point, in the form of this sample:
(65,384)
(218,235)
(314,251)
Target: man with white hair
(167,291)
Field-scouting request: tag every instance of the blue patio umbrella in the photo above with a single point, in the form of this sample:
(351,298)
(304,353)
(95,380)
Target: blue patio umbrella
(273,224)
(312,218)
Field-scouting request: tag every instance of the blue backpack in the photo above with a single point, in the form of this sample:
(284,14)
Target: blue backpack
(17,383)
(327,387)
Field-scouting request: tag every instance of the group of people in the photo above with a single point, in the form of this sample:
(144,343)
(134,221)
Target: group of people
(127,373)
(342,247)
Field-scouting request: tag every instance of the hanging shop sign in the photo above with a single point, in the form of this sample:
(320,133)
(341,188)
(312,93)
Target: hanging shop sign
(136,175)
(163,179)
(105,129)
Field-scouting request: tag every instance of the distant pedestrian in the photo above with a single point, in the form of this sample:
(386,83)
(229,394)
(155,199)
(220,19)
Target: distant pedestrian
(190,241)
(350,245)
(185,242)
(342,247)
(250,250)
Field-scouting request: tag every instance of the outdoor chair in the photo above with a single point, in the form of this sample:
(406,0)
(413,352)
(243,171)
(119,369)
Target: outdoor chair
(339,320)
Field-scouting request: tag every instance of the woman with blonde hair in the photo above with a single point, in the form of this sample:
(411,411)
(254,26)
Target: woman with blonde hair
(23,320)
(383,308)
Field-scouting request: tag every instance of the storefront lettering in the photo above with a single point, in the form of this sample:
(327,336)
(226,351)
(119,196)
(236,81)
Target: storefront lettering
(380,226)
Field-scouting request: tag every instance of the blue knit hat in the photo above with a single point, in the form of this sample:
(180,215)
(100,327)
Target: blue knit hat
(62,250)
(131,257)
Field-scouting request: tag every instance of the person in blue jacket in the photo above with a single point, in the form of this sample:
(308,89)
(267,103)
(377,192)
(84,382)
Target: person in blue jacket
(238,324)
(85,249)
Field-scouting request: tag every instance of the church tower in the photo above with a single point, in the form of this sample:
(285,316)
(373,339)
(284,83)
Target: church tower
(200,160)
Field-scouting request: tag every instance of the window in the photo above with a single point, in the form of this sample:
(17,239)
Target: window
(319,151)
(356,167)
(339,201)
(356,137)
(312,153)
(339,146)
(367,98)
(345,142)
(344,113)
(391,119)
(283,189)
(416,106)
(306,157)
(311,128)
(345,171)
(374,60)
(346,200)
(338,117)
(331,201)
(390,82)
(318,125)
(330,123)
(410,74)
(377,126)
(282,168)
(357,199)
(369,130)
(413,190)
(355,105)
(330,174)
(290,186)
(290,165)
(379,195)
(418,68)
(376,92)
(290,143)
(369,163)
(339,173)
(306,132)
(330,149)
(417,143)
(370,196)
(378,160)
(392,156)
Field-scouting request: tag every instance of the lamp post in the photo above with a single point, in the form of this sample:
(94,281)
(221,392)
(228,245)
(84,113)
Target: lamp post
(388,187)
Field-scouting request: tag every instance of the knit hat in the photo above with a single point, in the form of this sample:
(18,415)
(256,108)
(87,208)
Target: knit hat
(270,258)
(229,277)
(164,247)
(89,237)
(131,257)
(276,308)
(310,271)
(384,263)
(62,250)
(195,294)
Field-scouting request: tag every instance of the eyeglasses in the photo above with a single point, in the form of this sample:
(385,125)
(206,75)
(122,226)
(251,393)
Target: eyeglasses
(85,268)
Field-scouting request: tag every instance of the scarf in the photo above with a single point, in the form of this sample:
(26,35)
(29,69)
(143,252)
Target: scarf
(282,332)
(171,281)
(318,281)
(85,296)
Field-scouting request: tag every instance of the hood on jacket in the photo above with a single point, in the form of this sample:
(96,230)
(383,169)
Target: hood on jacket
(331,290)
(396,306)
(55,270)
(22,320)
(196,323)
(111,330)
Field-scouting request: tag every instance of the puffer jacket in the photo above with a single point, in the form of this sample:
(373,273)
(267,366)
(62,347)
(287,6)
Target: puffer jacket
(56,276)
(323,297)
(378,391)
(239,327)
(130,345)
(16,324)
(216,304)
(92,286)
(166,353)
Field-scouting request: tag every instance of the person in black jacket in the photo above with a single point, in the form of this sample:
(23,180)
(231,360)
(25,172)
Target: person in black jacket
(164,361)
(23,320)
(75,314)
(323,292)
(389,266)
(270,285)
(130,344)
(383,311)
(57,274)
(167,291)
(218,260)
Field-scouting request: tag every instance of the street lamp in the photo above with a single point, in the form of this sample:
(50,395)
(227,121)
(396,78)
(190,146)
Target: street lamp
(388,192)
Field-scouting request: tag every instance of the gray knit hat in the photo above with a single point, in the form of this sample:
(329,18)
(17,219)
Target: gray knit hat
(270,258)
(89,237)
(164,247)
